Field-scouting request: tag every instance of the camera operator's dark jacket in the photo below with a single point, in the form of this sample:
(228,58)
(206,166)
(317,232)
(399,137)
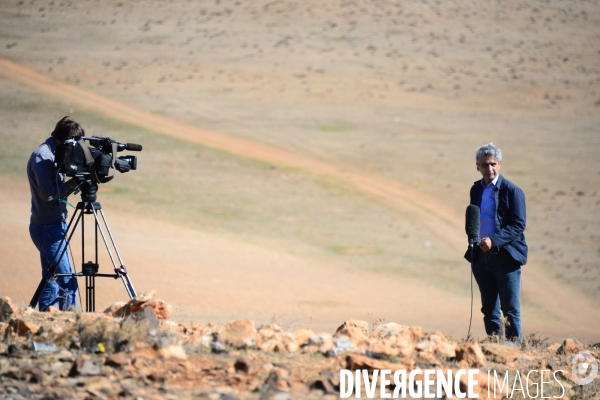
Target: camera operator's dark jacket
(510,218)
(46,185)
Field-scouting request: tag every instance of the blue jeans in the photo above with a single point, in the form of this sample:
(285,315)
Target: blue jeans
(50,241)
(499,280)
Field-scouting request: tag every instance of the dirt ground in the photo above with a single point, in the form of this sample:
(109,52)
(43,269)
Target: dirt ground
(309,162)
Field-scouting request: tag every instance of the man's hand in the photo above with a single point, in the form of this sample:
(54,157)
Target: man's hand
(485,244)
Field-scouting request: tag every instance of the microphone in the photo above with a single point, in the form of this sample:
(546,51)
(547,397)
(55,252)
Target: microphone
(472,224)
(129,146)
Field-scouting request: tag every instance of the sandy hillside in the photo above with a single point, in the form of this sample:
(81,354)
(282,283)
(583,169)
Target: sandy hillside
(310,161)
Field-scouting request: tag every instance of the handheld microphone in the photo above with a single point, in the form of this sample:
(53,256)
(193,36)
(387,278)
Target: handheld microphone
(472,224)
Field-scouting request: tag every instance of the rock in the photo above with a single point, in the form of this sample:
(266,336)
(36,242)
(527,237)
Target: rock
(404,346)
(354,333)
(570,347)
(446,350)
(64,355)
(161,308)
(302,336)
(566,374)
(135,304)
(117,360)
(553,347)
(12,350)
(274,327)
(403,343)
(472,354)
(52,310)
(268,332)
(169,325)
(6,313)
(322,343)
(240,334)
(116,309)
(83,366)
(429,343)
(98,386)
(343,343)
(399,346)
(323,385)
(278,380)
(217,347)
(173,351)
(75,343)
(206,341)
(22,328)
(218,393)
(500,353)
(389,330)
(436,343)
(382,348)
(144,319)
(55,330)
(7,309)
(414,333)
(356,361)
(427,358)
(361,326)
(281,342)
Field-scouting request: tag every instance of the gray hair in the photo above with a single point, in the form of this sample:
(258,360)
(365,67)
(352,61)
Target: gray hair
(488,150)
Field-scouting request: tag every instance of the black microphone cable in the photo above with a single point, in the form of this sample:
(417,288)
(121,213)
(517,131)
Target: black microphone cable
(471,317)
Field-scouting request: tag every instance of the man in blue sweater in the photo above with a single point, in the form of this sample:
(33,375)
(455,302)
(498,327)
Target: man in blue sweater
(498,257)
(48,226)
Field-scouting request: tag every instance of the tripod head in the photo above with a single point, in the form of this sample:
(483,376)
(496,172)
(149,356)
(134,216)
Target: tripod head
(89,190)
(86,186)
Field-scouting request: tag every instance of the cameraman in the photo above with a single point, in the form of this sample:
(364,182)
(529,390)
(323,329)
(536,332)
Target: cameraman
(48,226)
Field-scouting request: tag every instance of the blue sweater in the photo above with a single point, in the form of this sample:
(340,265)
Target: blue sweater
(46,185)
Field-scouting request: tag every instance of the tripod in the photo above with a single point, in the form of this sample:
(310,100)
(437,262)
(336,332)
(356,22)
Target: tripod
(87,206)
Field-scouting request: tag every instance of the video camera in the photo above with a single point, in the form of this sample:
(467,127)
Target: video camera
(75,158)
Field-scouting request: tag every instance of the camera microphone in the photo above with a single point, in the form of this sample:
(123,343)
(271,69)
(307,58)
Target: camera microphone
(134,147)
(472,224)
(130,147)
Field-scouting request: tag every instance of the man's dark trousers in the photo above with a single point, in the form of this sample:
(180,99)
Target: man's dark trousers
(499,279)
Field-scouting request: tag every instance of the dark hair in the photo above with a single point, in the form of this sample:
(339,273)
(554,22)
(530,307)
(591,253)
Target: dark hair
(66,128)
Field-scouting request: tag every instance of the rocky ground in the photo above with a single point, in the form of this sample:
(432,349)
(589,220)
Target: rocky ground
(132,350)
(403,91)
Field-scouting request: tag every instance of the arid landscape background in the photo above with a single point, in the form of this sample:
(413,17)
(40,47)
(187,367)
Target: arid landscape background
(308,162)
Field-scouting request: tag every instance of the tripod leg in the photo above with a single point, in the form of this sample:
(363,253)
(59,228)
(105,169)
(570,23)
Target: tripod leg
(51,270)
(121,271)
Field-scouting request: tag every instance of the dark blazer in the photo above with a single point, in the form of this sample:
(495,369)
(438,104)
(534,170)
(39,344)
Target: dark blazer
(510,218)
